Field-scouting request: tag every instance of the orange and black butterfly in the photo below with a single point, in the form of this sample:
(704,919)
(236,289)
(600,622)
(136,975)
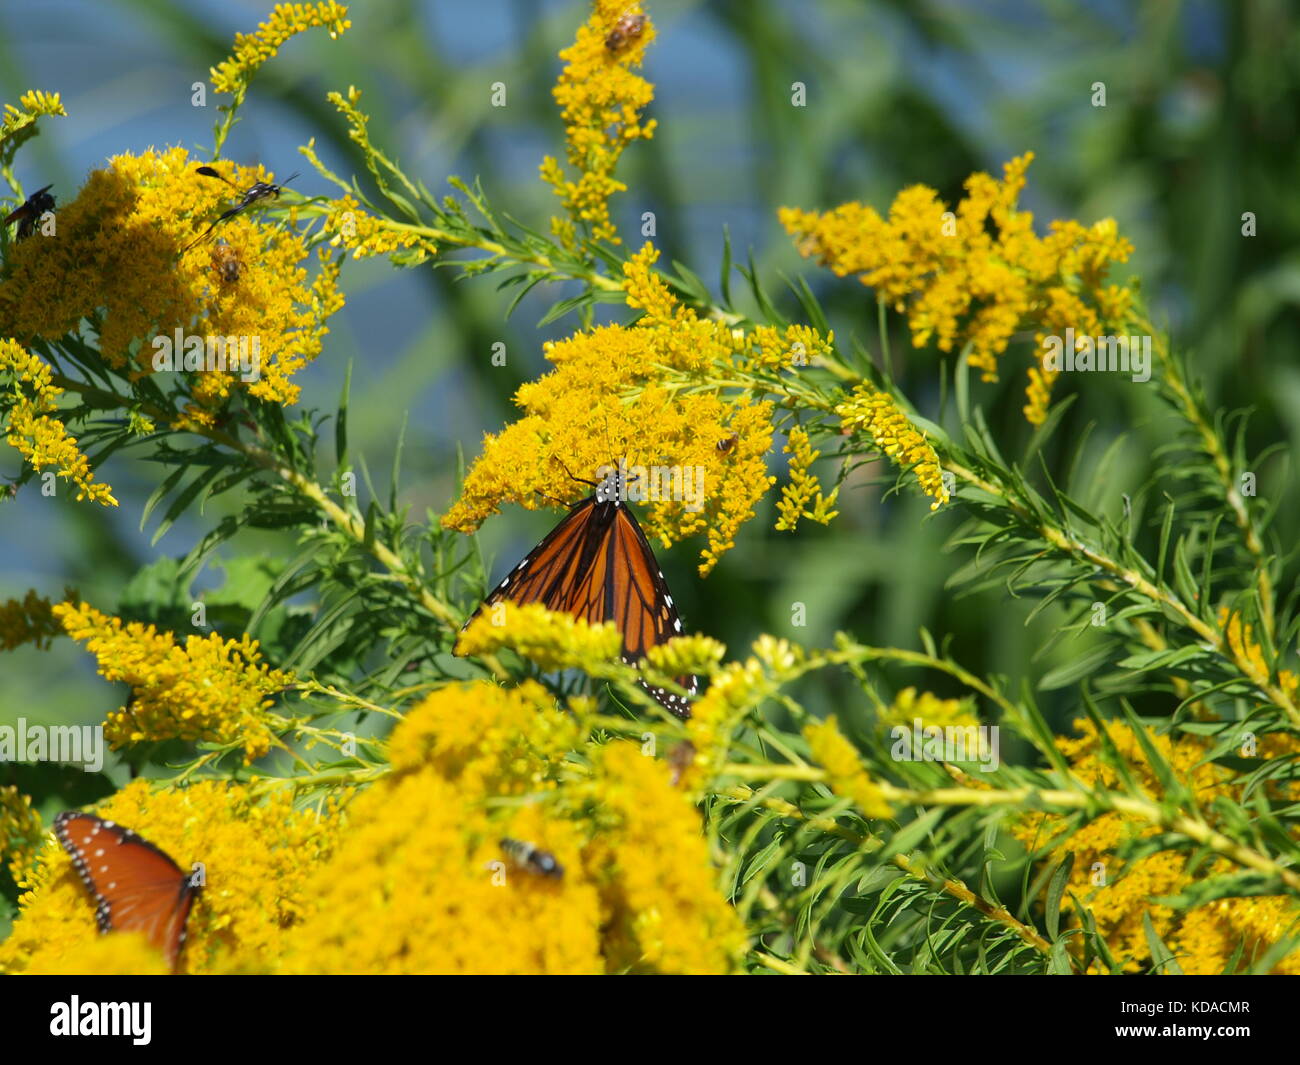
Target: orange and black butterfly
(597,565)
(136,886)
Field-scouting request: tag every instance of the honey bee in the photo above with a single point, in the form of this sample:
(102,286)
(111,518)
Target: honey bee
(532,858)
(627,28)
(728,443)
(225,262)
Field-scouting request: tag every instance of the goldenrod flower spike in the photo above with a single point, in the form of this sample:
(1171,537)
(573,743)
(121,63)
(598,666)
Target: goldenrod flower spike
(210,689)
(844,770)
(978,274)
(875,413)
(601,102)
(285,21)
(552,640)
(802,496)
(20,831)
(35,433)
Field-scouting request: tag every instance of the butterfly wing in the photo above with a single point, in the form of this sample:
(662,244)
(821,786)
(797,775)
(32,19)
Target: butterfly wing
(135,885)
(642,606)
(548,572)
(597,566)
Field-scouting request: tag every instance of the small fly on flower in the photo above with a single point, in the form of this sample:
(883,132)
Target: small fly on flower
(226,263)
(627,28)
(532,858)
(680,757)
(727,443)
(258,191)
(28,213)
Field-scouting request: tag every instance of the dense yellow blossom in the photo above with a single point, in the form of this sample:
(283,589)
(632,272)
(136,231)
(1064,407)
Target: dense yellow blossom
(487,740)
(34,432)
(257,856)
(976,275)
(365,234)
(420,885)
(875,413)
(113,954)
(662,909)
(844,769)
(620,394)
(601,102)
(115,265)
(251,50)
(1203,939)
(20,831)
(210,689)
(801,496)
(434,892)
(553,640)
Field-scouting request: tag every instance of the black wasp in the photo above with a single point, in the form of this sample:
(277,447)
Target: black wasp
(259,191)
(29,213)
(531,857)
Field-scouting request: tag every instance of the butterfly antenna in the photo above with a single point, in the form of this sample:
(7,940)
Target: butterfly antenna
(580,480)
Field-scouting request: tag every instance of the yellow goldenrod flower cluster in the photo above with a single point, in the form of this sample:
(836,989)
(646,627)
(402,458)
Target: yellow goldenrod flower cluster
(34,432)
(933,712)
(553,640)
(875,413)
(20,831)
(119,954)
(619,394)
(845,773)
(734,689)
(1250,656)
(686,654)
(474,764)
(601,102)
(285,21)
(661,907)
(365,234)
(257,855)
(31,106)
(115,265)
(801,496)
(29,620)
(976,275)
(211,689)
(1118,893)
